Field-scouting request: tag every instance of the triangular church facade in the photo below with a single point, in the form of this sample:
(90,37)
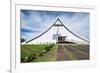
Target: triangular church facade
(57,33)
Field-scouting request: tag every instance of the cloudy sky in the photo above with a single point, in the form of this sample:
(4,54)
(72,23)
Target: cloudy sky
(35,22)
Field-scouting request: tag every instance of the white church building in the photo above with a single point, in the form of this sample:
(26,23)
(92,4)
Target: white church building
(57,33)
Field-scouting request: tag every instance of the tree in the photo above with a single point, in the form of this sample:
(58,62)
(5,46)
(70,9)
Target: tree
(22,40)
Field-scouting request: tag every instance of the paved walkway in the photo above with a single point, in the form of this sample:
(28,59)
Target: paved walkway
(61,56)
(65,52)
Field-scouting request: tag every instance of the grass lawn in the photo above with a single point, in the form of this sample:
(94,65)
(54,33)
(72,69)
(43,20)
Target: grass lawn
(37,52)
(50,52)
(49,56)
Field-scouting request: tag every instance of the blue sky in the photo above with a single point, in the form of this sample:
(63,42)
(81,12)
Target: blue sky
(35,22)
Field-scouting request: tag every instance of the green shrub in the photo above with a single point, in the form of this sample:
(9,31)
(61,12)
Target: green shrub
(31,57)
(40,54)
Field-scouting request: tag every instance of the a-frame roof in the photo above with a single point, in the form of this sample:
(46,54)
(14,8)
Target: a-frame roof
(58,22)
